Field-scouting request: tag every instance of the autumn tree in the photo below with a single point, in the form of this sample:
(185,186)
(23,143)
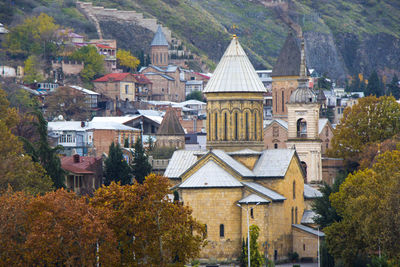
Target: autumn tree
(68,102)
(35,36)
(94,62)
(57,229)
(116,168)
(150,228)
(370,120)
(32,70)
(16,167)
(368,201)
(127,60)
(140,165)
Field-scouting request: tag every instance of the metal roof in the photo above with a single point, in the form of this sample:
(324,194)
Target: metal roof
(321,124)
(84,90)
(274,196)
(253,198)
(245,151)
(96,125)
(235,73)
(159,38)
(181,160)
(273,163)
(309,230)
(210,175)
(308,217)
(310,192)
(237,166)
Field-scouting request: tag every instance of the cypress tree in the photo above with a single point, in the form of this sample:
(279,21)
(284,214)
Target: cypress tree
(116,168)
(140,166)
(374,85)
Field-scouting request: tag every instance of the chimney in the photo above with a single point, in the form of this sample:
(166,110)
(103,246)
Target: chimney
(76,158)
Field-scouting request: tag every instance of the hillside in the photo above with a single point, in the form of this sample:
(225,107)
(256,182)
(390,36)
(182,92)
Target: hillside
(342,37)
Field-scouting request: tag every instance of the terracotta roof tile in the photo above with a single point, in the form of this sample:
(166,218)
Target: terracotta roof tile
(113,77)
(82,167)
(141,78)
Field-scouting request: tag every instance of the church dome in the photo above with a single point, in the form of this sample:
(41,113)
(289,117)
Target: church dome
(303,94)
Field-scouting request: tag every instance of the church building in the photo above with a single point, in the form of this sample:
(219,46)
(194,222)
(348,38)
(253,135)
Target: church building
(235,180)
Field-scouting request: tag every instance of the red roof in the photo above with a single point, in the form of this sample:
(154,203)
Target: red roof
(104,46)
(81,167)
(202,75)
(141,78)
(112,77)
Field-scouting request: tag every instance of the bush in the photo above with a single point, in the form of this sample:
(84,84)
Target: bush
(293,256)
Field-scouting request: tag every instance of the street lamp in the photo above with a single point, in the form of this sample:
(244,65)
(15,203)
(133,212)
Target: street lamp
(248,230)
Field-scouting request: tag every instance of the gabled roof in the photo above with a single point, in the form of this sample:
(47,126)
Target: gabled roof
(308,217)
(234,73)
(283,123)
(321,124)
(273,163)
(235,165)
(170,124)
(274,196)
(245,151)
(311,193)
(253,199)
(159,38)
(81,167)
(181,160)
(141,78)
(309,230)
(113,77)
(160,74)
(104,46)
(84,90)
(288,62)
(210,175)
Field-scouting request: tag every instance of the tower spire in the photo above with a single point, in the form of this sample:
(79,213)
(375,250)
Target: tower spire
(303,68)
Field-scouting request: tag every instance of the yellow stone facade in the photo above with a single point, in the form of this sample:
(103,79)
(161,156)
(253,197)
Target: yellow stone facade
(282,88)
(234,121)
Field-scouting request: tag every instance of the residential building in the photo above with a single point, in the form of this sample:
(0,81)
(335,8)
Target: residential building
(192,86)
(117,86)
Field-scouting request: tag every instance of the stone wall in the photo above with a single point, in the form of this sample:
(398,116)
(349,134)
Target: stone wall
(285,86)
(305,244)
(275,134)
(68,67)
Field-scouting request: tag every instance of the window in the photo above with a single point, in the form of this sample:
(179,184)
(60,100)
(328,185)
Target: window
(225,127)
(283,101)
(295,215)
(216,126)
(126,89)
(247,126)
(221,230)
(236,126)
(304,247)
(275,131)
(294,189)
(252,213)
(276,102)
(255,125)
(205,232)
(292,215)
(301,128)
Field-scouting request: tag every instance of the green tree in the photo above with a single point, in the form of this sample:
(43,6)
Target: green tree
(35,36)
(126,60)
(42,152)
(324,83)
(243,254)
(256,259)
(32,70)
(368,201)
(116,168)
(394,87)
(374,85)
(67,102)
(140,165)
(151,230)
(94,62)
(195,95)
(370,120)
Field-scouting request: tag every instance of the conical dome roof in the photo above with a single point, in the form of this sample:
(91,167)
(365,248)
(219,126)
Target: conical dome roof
(234,73)
(170,124)
(159,38)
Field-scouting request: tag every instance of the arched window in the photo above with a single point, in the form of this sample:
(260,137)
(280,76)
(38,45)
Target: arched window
(295,214)
(221,230)
(252,213)
(301,128)
(247,126)
(236,126)
(292,216)
(283,101)
(156,58)
(161,57)
(216,126)
(225,127)
(255,125)
(276,146)
(209,126)
(294,189)
(276,102)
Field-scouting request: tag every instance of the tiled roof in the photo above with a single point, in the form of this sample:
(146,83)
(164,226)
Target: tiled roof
(159,38)
(104,46)
(310,192)
(308,217)
(253,198)
(274,196)
(210,175)
(273,163)
(202,75)
(181,160)
(141,78)
(170,124)
(113,77)
(309,230)
(234,73)
(68,164)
